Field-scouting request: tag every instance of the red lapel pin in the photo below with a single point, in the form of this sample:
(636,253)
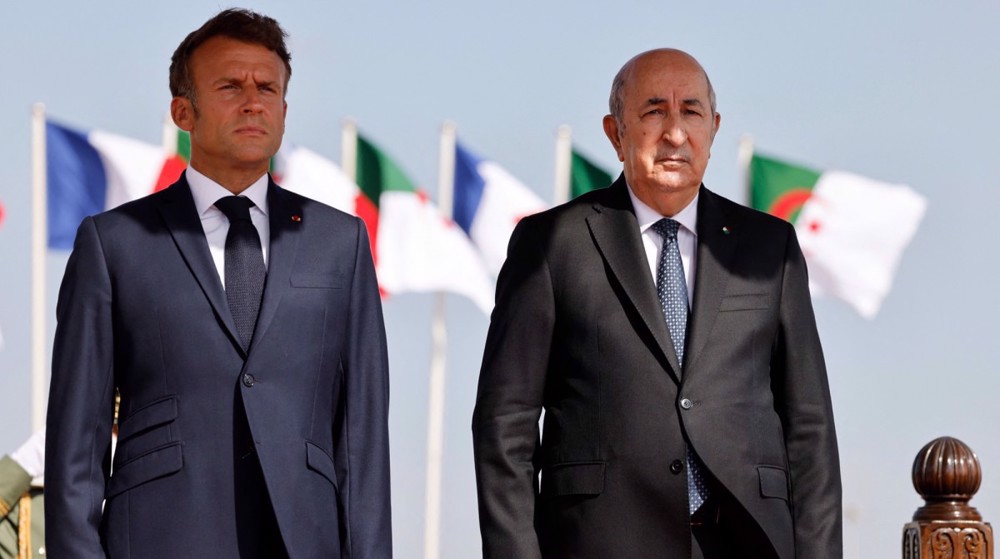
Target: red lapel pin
(296,218)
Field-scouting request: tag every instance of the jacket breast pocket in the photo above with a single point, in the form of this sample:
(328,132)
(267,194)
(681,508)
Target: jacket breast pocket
(574,478)
(155,464)
(746,302)
(773,482)
(314,280)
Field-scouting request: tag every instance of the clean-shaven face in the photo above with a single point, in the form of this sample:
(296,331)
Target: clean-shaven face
(237,117)
(665,132)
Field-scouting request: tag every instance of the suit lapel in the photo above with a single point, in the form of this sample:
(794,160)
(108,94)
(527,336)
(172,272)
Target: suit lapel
(717,240)
(281,254)
(616,233)
(182,220)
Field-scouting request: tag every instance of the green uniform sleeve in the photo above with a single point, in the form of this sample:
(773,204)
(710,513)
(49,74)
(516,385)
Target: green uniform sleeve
(14,482)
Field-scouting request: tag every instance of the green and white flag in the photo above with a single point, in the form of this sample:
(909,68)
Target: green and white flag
(586,176)
(415,249)
(852,229)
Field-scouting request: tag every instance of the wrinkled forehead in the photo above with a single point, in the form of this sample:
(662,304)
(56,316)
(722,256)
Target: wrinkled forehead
(224,55)
(661,72)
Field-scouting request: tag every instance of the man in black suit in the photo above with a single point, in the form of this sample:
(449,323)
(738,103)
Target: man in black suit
(242,326)
(667,432)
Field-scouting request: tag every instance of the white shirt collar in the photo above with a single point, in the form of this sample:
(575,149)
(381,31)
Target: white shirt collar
(206,191)
(647,216)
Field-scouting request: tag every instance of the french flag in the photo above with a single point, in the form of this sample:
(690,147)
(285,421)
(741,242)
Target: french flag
(88,173)
(489,202)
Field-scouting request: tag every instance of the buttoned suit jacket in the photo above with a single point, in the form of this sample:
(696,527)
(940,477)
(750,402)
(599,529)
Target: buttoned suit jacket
(142,309)
(578,330)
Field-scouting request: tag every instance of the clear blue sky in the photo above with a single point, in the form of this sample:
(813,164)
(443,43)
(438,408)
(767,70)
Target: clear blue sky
(893,90)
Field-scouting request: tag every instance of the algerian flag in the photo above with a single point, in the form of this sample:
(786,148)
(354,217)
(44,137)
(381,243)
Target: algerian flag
(177,144)
(852,229)
(309,174)
(415,248)
(586,176)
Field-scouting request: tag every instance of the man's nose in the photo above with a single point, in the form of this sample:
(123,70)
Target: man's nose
(675,133)
(252,102)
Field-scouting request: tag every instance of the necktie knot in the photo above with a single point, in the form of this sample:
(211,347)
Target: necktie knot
(236,208)
(667,228)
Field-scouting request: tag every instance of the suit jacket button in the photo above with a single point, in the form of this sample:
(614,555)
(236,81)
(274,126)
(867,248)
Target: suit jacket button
(687,404)
(248,380)
(676,467)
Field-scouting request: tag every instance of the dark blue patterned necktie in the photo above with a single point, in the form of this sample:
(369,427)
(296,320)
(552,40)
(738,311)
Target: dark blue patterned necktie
(245,270)
(671,288)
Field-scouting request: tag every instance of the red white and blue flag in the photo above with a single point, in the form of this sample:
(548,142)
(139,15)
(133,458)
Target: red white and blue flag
(88,173)
(489,202)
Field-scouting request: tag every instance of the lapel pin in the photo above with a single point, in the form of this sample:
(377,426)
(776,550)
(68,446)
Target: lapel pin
(296,218)
(725,230)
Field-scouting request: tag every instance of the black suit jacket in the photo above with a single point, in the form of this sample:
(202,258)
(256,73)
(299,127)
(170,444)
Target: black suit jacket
(142,309)
(578,330)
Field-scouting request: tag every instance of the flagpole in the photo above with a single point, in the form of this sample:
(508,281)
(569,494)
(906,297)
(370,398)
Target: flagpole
(436,390)
(743,158)
(39,228)
(564,163)
(349,149)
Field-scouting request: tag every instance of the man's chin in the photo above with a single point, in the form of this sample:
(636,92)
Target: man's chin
(675,182)
(254,155)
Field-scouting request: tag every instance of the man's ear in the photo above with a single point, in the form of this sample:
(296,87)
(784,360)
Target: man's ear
(611,130)
(715,126)
(182,113)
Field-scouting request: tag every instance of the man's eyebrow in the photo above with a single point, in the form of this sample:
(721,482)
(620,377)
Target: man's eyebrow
(660,100)
(237,80)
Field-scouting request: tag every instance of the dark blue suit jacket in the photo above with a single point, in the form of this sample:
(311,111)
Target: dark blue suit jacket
(142,309)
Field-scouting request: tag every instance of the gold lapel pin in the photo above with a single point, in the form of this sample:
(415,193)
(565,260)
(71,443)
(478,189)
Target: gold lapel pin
(296,218)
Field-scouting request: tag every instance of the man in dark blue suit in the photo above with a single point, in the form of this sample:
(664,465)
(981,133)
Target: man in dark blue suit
(242,326)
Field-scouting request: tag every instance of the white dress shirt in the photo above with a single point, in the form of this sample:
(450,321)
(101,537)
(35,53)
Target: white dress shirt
(687,238)
(215,224)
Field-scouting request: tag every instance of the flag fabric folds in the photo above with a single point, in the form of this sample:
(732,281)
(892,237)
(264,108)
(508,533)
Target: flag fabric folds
(416,250)
(852,229)
(305,172)
(489,202)
(586,176)
(88,173)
